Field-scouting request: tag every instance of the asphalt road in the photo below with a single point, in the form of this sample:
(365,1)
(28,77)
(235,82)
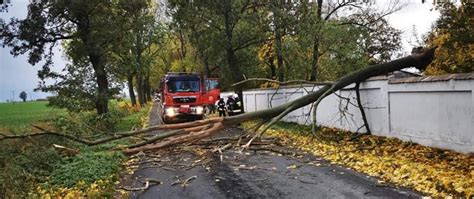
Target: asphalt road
(250,174)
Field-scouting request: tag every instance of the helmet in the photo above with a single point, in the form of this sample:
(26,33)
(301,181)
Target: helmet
(235,95)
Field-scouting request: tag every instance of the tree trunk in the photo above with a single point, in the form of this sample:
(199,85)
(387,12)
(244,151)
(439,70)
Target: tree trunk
(420,61)
(281,67)
(315,60)
(96,58)
(207,69)
(140,71)
(182,49)
(236,73)
(196,130)
(361,108)
(131,92)
(147,87)
(140,90)
(101,102)
(315,57)
(272,68)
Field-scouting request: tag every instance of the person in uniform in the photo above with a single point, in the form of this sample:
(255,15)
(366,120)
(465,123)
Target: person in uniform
(221,107)
(237,109)
(230,105)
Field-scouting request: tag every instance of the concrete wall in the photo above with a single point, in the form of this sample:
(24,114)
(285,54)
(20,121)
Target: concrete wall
(434,113)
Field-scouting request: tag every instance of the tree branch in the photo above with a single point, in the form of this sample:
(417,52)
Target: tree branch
(361,108)
(281,83)
(198,130)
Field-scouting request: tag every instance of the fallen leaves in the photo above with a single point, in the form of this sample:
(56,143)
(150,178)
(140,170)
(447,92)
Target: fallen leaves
(436,172)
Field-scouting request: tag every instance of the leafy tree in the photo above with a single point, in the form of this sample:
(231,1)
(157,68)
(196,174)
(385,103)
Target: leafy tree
(87,29)
(23,96)
(282,21)
(344,55)
(233,28)
(343,44)
(138,49)
(377,38)
(317,14)
(452,33)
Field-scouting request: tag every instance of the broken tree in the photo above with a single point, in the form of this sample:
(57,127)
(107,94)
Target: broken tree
(191,132)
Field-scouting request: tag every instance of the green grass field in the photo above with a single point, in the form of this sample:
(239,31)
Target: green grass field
(23,114)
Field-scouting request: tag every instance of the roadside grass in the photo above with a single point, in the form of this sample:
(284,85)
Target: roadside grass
(94,172)
(23,114)
(32,168)
(432,171)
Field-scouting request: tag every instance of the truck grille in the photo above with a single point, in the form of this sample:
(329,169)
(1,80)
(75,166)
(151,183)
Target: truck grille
(184,99)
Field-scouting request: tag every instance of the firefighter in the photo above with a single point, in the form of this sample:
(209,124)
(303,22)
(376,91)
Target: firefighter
(221,107)
(237,105)
(230,105)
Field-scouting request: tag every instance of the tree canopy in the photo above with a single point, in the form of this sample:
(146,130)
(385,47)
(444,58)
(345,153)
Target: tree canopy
(23,96)
(111,44)
(452,33)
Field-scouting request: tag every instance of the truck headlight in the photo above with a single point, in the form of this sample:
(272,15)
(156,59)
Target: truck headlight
(197,110)
(170,112)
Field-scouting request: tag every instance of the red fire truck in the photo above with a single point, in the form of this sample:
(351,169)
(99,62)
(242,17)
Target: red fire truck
(187,96)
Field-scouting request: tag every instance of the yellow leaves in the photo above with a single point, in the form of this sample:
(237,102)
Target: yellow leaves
(124,105)
(80,191)
(269,85)
(452,55)
(432,171)
(265,51)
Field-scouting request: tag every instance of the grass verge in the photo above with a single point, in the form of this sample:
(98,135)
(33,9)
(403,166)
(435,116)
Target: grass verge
(31,168)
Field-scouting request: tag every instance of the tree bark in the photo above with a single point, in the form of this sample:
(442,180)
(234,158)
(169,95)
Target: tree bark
(140,69)
(281,68)
(232,61)
(315,60)
(315,57)
(101,103)
(140,90)
(361,108)
(272,68)
(197,130)
(147,87)
(131,91)
(420,61)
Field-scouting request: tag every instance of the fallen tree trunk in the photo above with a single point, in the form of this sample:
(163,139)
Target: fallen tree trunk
(193,131)
(420,61)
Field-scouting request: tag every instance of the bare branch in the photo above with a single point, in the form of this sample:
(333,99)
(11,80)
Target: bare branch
(361,108)
(148,183)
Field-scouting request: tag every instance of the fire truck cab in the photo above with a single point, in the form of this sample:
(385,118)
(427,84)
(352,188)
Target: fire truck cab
(187,96)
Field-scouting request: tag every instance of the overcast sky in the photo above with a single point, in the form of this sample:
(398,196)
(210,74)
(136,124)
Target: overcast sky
(17,75)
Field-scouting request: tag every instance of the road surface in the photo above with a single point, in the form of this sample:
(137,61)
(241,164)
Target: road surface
(250,174)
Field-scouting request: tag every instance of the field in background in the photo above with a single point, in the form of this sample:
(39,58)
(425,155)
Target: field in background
(23,114)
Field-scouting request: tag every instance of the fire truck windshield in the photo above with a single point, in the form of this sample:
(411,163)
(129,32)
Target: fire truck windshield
(183,86)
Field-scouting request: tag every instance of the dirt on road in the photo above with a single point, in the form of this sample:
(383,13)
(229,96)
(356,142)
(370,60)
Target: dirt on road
(190,172)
